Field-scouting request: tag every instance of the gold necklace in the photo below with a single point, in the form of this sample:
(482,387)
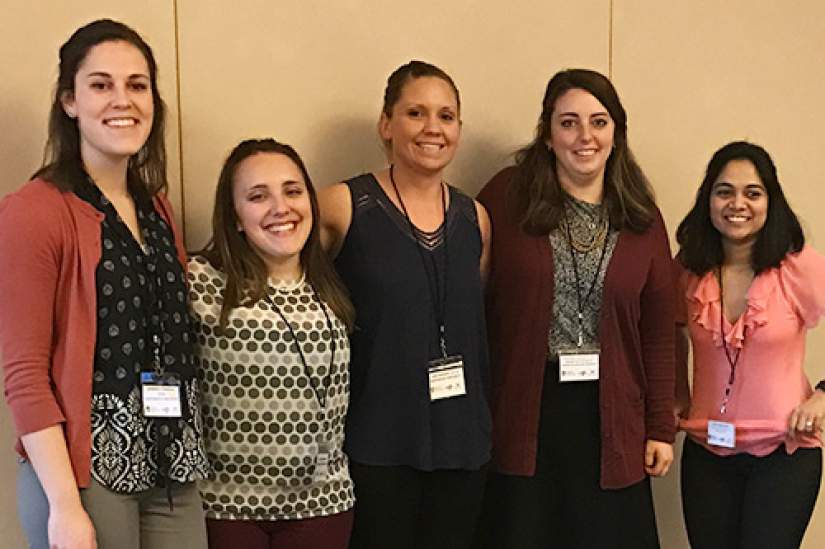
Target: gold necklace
(596,238)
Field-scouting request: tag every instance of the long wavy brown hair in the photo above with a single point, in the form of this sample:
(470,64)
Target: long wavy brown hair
(246,273)
(537,197)
(62,164)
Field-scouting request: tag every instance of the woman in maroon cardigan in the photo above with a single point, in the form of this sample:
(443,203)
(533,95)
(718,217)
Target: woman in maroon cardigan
(580,316)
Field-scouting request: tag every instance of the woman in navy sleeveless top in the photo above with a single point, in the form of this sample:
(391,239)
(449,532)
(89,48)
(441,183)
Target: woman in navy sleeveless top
(412,251)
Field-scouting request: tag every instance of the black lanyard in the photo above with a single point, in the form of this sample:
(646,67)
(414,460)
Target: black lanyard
(154,292)
(438,295)
(322,399)
(579,300)
(732,362)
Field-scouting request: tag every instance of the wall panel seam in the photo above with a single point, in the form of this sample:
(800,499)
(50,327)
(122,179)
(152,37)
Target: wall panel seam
(609,42)
(176,22)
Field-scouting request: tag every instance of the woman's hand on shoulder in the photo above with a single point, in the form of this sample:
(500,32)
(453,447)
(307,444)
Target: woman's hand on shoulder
(658,457)
(335,205)
(808,417)
(71,528)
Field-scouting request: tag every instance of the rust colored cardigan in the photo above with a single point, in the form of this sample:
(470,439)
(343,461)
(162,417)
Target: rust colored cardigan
(636,332)
(49,251)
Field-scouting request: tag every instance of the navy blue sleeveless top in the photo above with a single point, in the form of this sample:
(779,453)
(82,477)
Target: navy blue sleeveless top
(391,420)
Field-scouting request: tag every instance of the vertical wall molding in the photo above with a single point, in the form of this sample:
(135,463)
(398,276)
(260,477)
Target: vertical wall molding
(176,22)
(609,43)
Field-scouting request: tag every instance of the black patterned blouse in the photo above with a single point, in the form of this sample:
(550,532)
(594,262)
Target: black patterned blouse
(141,307)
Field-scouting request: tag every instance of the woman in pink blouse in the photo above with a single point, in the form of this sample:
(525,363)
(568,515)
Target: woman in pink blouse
(750,290)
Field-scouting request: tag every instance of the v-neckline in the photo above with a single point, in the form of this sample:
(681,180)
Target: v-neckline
(725,317)
(402,222)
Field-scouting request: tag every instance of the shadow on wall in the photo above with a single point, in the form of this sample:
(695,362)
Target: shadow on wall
(21,145)
(668,503)
(10,531)
(21,153)
(479,158)
(342,148)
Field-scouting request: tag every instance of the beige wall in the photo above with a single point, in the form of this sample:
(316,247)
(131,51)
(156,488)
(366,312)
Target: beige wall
(695,75)
(313,74)
(692,75)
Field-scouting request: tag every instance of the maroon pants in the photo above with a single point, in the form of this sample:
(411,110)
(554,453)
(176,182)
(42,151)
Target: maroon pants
(330,532)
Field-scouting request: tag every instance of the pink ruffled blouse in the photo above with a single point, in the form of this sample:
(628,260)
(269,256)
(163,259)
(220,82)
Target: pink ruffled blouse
(782,304)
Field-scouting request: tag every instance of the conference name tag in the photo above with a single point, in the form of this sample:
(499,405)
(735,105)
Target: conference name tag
(446,377)
(322,461)
(721,433)
(161,395)
(578,366)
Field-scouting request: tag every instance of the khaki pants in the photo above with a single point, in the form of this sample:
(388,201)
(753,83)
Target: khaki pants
(122,521)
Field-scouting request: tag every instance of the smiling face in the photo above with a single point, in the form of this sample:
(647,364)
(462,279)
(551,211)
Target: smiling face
(112,103)
(424,128)
(738,203)
(581,136)
(274,212)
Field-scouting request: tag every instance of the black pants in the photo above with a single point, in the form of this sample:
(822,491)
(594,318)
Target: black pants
(748,502)
(563,506)
(403,508)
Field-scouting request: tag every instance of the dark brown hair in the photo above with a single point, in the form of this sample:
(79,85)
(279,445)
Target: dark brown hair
(402,75)
(62,164)
(538,198)
(701,244)
(246,272)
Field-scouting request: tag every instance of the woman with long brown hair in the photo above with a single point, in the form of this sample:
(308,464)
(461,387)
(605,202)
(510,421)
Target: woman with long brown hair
(271,319)
(580,318)
(94,328)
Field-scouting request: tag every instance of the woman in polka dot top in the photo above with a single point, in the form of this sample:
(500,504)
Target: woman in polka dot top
(271,320)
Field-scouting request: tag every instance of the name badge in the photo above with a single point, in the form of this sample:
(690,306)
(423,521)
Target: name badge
(161,395)
(721,433)
(447,378)
(581,366)
(322,460)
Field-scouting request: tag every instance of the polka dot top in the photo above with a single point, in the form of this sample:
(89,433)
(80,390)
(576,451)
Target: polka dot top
(265,426)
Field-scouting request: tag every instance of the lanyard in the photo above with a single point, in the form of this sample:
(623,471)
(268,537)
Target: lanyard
(732,362)
(154,293)
(322,400)
(579,300)
(438,296)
